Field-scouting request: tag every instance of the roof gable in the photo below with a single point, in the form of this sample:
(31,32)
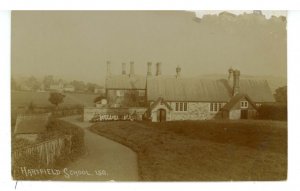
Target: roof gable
(235,99)
(158,101)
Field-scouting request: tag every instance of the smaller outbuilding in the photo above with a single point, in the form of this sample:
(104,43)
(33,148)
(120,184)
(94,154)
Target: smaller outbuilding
(240,106)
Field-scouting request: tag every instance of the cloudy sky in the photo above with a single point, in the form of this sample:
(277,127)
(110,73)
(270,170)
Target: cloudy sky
(76,45)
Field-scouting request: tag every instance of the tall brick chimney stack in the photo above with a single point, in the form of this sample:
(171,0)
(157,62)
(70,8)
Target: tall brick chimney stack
(108,72)
(158,68)
(236,82)
(149,70)
(178,72)
(230,72)
(123,68)
(131,69)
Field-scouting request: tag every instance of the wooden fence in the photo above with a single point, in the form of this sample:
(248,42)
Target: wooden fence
(47,151)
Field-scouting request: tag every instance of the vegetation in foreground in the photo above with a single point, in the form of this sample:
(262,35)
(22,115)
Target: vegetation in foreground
(56,128)
(204,150)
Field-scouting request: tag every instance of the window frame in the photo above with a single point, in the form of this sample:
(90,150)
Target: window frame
(244,104)
(185,107)
(181,106)
(176,106)
(215,107)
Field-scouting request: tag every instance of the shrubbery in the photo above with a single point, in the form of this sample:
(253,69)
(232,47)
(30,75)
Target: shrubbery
(57,128)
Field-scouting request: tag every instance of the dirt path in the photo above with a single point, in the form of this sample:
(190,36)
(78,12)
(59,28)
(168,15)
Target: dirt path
(112,160)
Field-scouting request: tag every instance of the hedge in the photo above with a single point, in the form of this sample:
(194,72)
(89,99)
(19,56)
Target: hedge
(273,112)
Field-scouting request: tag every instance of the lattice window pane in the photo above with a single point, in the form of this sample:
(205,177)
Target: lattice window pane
(185,106)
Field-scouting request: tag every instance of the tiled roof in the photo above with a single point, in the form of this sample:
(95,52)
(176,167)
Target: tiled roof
(257,90)
(32,124)
(171,88)
(186,89)
(126,82)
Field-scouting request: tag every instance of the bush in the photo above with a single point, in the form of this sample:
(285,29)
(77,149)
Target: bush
(273,111)
(77,140)
(57,128)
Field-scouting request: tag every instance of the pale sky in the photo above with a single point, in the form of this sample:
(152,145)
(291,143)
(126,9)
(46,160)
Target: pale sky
(77,44)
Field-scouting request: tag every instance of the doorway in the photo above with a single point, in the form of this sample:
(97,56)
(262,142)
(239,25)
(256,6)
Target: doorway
(244,114)
(161,115)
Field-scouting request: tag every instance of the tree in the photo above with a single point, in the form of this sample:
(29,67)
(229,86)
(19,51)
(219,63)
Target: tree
(14,85)
(78,85)
(281,94)
(32,83)
(48,80)
(31,107)
(56,98)
(91,87)
(274,111)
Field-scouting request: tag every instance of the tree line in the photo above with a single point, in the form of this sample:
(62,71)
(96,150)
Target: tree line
(33,84)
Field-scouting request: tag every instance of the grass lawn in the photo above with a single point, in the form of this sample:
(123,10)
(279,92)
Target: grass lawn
(204,150)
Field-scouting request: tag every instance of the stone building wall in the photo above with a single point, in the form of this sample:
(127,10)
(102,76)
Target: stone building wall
(195,111)
(235,114)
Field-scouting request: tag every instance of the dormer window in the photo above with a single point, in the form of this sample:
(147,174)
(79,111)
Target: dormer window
(244,104)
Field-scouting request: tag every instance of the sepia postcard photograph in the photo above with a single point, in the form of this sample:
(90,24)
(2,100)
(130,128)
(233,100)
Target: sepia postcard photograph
(153,96)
